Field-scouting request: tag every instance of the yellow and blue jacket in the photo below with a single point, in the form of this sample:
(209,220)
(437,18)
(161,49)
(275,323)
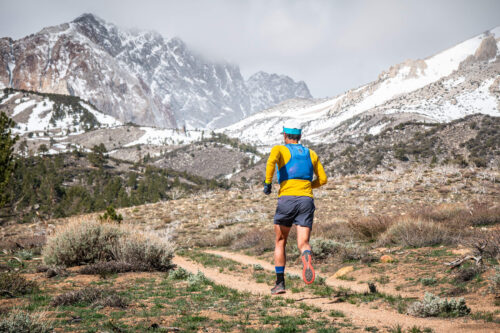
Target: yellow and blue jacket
(295,176)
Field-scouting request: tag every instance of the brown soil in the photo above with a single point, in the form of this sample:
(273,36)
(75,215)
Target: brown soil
(362,315)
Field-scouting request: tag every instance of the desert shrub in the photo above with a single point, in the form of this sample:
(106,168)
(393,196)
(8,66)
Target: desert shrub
(352,251)
(111,267)
(260,240)
(91,242)
(429,281)
(113,301)
(416,233)
(339,231)
(325,248)
(478,214)
(91,295)
(195,281)
(86,296)
(370,227)
(433,306)
(14,284)
(81,242)
(33,243)
(178,274)
(51,271)
(494,282)
(466,273)
(141,249)
(485,243)
(481,214)
(23,322)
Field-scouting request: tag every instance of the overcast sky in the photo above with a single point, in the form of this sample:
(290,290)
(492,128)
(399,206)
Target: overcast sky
(331,45)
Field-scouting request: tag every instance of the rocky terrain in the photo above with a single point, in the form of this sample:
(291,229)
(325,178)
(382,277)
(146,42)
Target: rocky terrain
(457,82)
(138,76)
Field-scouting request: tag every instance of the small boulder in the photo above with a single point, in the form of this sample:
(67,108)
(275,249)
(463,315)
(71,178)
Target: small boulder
(343,271)
(386,258)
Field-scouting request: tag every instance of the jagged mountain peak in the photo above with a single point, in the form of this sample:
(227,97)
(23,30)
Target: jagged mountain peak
(137,76)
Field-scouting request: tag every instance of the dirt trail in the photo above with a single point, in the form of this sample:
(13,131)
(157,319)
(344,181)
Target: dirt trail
(361,315)
(248,260)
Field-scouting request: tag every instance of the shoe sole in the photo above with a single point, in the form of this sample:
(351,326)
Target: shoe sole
(278,292)
(307,270)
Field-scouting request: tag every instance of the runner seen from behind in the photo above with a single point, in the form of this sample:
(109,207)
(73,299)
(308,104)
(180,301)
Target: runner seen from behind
(296,166)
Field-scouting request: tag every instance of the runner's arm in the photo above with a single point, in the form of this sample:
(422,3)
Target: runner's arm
(271,164)
(321,177)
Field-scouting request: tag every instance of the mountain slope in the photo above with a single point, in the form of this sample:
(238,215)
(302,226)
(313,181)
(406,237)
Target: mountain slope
(462,80)
(135,76)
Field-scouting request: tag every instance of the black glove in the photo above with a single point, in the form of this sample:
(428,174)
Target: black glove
(267,188)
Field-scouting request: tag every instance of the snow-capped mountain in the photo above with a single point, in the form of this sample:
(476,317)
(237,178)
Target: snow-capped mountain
(459,81)
(138,76)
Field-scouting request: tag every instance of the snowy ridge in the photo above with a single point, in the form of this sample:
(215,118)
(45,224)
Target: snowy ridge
(41,117)
(440,88)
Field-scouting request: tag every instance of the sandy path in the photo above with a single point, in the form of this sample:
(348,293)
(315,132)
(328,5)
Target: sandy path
(354,286)
(361,315)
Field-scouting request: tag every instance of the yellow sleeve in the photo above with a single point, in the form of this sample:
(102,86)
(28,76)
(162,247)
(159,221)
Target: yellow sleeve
(321,178)
(274,157)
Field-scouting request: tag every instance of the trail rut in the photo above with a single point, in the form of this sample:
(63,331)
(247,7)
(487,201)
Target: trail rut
(361,315)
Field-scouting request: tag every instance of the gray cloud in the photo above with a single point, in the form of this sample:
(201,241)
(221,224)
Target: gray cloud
(332,45)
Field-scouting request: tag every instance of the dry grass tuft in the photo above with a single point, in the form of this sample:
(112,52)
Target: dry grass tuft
(260,240)
(411,232)
(90,295)
(111,267)
(370,228)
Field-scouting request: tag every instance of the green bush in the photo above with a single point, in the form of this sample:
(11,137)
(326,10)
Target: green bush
(433,306)
(22,322)
(111,215)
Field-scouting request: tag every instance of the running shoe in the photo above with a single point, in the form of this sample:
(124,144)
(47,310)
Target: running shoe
(307,268)
(279,288)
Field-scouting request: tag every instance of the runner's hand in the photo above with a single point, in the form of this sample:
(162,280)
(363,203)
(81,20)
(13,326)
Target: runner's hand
(267,188)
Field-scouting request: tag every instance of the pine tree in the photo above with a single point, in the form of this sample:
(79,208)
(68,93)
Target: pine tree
(7,142)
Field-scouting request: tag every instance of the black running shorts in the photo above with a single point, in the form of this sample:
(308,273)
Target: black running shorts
(297,210)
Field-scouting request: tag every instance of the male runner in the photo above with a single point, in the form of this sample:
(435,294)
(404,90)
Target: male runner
(296,167)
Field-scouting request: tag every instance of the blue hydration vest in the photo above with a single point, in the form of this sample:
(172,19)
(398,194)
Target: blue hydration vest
(299,166)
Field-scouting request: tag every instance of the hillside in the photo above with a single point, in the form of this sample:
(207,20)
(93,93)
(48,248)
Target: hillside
(457,82)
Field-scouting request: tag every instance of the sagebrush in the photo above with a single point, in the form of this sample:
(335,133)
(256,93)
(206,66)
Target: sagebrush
(89,242)
(434,306)
(20,321)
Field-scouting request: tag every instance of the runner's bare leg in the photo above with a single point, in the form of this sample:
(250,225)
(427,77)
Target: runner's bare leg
(303,235)
(281,233)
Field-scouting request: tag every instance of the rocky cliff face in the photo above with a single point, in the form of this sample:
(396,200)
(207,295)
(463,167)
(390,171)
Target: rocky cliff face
(138,76)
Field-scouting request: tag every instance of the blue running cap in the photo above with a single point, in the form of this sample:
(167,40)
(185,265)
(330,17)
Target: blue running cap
(292,130)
